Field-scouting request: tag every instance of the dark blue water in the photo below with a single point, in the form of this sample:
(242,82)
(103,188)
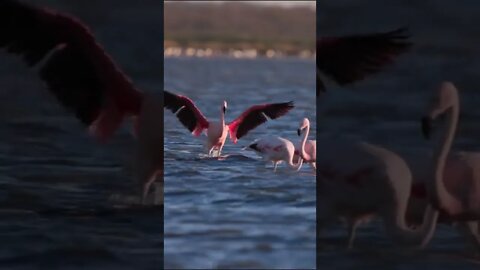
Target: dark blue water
(57,184)
(237,213)
(386,110)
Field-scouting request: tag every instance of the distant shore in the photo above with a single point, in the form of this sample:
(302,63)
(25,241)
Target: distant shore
(240,53)
(238,30)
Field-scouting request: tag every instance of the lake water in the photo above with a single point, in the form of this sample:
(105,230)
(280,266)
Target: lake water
(237,213)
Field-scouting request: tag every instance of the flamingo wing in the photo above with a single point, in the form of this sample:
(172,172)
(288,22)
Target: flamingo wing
(255,116)
(186,111)
(76,69)
(352,58)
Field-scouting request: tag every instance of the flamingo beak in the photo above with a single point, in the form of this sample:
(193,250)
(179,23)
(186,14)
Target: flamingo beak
(299,131)
(426,127)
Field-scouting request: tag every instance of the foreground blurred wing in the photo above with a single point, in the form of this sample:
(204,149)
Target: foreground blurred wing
(352,58)
(76,69)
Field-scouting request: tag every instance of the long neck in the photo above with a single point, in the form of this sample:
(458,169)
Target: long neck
(293,165)
(222,118)
(441,197)
(402,234)
(304,154)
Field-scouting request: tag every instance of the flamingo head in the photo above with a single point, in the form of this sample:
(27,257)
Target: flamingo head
(224,107)
(303,125)
(444,98)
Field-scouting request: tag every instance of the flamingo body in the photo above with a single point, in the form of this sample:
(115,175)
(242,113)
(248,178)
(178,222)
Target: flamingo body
(276,149)
(358,180)
(306,149)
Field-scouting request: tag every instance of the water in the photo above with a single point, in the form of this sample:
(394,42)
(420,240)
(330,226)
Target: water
(386,110)
(57,184)
(237,213)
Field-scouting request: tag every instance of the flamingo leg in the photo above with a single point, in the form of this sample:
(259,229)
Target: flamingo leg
(146,187)
(275,163)
(146,172)
(470,229)
(352,227)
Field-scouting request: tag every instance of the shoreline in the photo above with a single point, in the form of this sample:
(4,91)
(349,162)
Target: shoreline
(191,52)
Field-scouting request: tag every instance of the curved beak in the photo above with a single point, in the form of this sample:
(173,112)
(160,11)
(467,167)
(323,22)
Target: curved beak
(426,127)
(299,132)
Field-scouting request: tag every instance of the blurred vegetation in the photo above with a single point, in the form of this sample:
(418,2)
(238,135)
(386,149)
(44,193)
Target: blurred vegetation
(234,25)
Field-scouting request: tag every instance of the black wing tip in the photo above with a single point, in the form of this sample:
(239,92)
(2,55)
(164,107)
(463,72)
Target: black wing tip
(254,146)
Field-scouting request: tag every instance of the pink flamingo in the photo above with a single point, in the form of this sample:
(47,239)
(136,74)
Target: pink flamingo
(307,149)
(352,58)
(85,79)
(455,189)
(193,119)
(276,149)
(359,180)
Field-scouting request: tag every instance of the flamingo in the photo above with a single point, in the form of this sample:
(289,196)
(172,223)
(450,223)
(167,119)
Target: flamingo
(456,190)
(457,179)
(352,58)
(193,119)
(360,180)
(85,79)
(307,149)
(276,149)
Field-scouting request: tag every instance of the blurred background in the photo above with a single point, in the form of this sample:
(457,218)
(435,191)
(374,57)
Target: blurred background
(236,213)
(57,182)
(240,28)
(385,109)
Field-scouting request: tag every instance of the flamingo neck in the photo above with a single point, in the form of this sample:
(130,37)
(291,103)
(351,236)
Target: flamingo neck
(304,154)
(442,198)
(295,166)
(222,118)
(402,234)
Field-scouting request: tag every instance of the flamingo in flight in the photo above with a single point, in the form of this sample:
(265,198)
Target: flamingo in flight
(85,79)
(193,119)
(306,149)
(348,59)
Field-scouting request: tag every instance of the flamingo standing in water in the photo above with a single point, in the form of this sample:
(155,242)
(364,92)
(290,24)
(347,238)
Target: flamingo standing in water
(85,79)
(352,58)
(276,149)
(306,149)
(359,180)
(455,189)
(193,119)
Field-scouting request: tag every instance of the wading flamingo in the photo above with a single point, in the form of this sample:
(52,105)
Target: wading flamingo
(455,191)
(307,149)
(193,119)
(276,149)
(352,58)
(457,179)
(359,180)
(85,79)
